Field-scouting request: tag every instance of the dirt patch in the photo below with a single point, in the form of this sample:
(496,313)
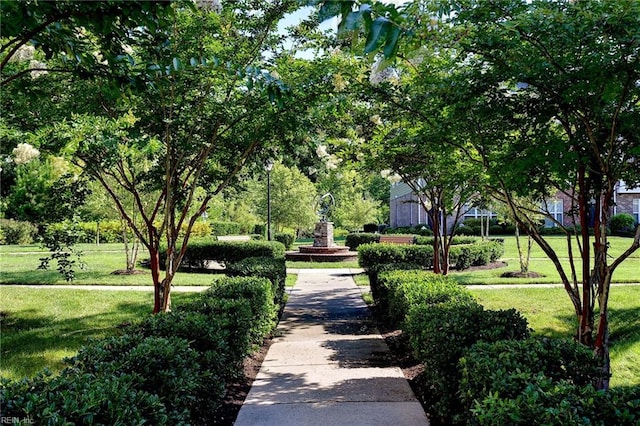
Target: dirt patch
(517,274)
(128,272)
(237,391)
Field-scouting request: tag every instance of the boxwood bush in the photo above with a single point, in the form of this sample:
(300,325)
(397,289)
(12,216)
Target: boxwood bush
(255,290)
(286,239)
(79,399)
(399,290)
(166,367)
(355,240)
(274,269)
(171,368)
(377,258)
(439,335)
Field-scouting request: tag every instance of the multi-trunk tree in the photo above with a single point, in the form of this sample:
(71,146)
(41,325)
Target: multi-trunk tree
(547,93)
(184,96)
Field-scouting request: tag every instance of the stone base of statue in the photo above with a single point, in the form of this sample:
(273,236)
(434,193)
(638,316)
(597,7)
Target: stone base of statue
(324,249)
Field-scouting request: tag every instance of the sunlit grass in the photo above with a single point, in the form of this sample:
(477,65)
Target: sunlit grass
(41,326)
(550,313)
(19,265)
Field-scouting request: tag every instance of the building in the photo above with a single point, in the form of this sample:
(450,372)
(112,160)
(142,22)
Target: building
(406,210)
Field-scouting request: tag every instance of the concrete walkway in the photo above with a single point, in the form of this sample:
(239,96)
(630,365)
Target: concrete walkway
(329,365)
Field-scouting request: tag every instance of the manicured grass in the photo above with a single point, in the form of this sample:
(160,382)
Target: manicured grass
(627,272)
(19,265)
(42,326)
(550,313)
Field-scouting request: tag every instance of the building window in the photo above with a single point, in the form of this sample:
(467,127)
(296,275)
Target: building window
(636,209)
(476,213)
(555,209)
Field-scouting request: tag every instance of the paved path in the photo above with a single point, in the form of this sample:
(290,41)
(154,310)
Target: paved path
(329,365)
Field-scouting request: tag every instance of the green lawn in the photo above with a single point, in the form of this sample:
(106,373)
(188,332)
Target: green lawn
(19,265)
(550,313)
(43,325)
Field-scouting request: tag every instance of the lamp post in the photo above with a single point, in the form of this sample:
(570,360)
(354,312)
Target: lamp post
(268,167)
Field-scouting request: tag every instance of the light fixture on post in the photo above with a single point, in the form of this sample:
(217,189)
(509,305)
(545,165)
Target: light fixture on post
(268,167)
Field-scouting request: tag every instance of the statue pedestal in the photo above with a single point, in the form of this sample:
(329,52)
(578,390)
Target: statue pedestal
(324,249)
(323,235)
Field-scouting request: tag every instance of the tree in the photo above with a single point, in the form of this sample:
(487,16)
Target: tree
(445,182)
(293,197)
(549,88)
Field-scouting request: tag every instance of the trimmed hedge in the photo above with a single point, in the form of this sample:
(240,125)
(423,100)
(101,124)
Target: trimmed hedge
(286,239)
(377,258)
(398,291)
(79,399)
(265,267)
(541,381)
(456,240)
(546,402)
(439,335)
(481,253)
(225,228)
(353,241)
(200,251)
(168,369)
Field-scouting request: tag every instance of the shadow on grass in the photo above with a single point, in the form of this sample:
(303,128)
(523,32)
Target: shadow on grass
(624,327)
(30,341)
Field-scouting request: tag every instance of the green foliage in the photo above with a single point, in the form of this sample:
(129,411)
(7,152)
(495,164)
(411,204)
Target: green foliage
(400,290)
(622,223)
(167,367)
(457,240)
(508,367)
(274,269)
(225,228)
(376,258)
(293,199)
(200,251)
(81,399)
(481,253)
(16,232)
(548,402)
(355,240)
(260,296)
(541,381)
(439,335)
(60,240)
(285,238)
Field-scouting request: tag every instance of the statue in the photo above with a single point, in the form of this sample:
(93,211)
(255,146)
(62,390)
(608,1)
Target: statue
(323,233)
(323,206)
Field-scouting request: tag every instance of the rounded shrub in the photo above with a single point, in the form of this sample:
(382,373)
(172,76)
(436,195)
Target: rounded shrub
(286,239)
(400,290)
(622,223)
(167,367)
(81,399)
(353,241)
(275,270)
(16,232)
